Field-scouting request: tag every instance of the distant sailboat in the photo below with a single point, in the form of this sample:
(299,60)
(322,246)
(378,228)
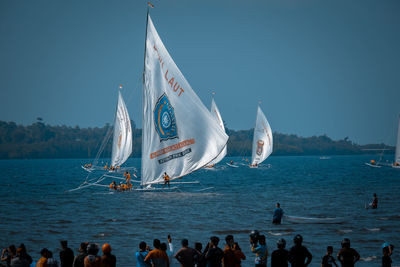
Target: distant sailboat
(179,134)
(217,116)
(396,163)
(122,139)
(262,140)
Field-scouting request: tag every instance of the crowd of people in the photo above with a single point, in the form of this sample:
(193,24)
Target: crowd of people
(163,255)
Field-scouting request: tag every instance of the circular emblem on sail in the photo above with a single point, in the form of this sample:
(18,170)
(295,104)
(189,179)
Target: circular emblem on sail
(164,119)
(260,145)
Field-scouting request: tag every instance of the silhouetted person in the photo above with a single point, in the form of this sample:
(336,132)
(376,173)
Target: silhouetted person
(298,253)
(108,260)
(80,258)
(347,255)
(66,255)
(157,257)
(186,255)
(213,254)
(328,260)
(279,257)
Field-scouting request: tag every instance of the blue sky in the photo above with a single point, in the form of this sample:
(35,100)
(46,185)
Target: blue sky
(319,67)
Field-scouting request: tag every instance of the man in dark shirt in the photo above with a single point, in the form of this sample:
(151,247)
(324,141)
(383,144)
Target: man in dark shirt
(279,257)
(347,255)
(298,253)
(186,256)
(213,254)
(66,255)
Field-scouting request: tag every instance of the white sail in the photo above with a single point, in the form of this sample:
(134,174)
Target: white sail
(179,133)
(217,116)
(262,140)
(397,156)
(122,140)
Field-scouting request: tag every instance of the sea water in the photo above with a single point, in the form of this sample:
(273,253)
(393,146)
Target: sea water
(37,209)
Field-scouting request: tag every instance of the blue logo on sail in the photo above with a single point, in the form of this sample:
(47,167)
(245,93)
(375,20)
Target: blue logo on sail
(164,119)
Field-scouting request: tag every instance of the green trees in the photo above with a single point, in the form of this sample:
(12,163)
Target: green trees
(41,140)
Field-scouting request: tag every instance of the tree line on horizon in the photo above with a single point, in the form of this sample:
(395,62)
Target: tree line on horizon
(40,140)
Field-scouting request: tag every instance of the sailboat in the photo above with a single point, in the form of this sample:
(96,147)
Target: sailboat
(180,135)
(122,139)
(217,116)
(262,140)
(396,163)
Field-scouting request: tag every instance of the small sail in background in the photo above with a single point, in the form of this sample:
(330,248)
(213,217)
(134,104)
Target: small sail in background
(217,116)
(122,139)
(262,140)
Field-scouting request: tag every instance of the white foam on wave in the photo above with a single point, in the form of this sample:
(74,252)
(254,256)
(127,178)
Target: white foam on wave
(373,229)
(275,234)
(345,231)
(369,258)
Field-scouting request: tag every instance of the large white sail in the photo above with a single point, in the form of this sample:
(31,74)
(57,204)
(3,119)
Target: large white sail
(122,140)
(397,156)
(262,140)
(217,116)
(179,133)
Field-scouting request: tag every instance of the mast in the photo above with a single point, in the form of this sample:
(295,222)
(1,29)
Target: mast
(144,81)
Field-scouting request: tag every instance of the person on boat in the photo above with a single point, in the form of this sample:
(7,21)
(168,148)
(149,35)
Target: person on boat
(106,167)
(128,178)
(113,185)
(261,251)
(278,214)
(372,162)
(141,255)
(157,257)
(347,255)
(374,204)
(90,165)
(166,179)
(66,255)
(328,260)
(108,259)
(279,257)
(299,253)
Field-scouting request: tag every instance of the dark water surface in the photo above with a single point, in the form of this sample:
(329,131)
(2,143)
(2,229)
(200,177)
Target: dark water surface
(37,210)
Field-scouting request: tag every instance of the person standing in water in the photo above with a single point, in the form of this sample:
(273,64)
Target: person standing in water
(374,204)
(278,214)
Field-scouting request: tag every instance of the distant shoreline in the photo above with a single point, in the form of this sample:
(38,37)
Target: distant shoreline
(43,141)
